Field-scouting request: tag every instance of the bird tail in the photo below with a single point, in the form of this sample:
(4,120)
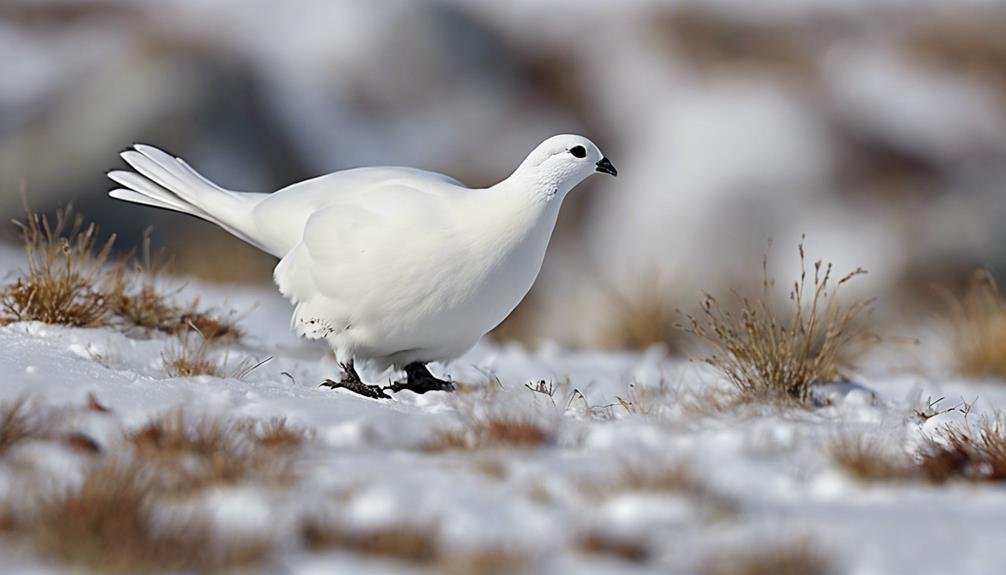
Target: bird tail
(167,182)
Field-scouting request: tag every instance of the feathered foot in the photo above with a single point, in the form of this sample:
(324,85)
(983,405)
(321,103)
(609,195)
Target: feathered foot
(352,382)
(420,380)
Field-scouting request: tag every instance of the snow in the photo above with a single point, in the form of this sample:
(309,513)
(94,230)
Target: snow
(366,466)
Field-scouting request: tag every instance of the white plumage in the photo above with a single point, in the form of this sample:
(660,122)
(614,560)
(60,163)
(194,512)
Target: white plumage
(390,265)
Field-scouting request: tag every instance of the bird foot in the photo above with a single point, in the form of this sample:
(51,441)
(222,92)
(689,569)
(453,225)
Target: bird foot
(358,387)
(420,380)
(351,381)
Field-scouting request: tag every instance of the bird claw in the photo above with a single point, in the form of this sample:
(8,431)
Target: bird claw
(358,387)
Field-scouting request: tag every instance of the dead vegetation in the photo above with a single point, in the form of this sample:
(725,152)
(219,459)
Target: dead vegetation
(20,422)
(490,432)
(645,319)
(409,543)
(598,543)
(800,558)
(768,355)
(70,280)
(970,453)
(62,281)
(412,544)
(193,454)
(108,524)
(126,515)
(976,322)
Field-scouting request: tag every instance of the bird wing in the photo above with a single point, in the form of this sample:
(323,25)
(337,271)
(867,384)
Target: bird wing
(283,216)
(380,246)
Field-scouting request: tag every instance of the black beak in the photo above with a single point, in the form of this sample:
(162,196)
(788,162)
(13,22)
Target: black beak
(605,167)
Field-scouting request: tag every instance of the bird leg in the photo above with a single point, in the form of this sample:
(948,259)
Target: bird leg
(352,382)
(420,380)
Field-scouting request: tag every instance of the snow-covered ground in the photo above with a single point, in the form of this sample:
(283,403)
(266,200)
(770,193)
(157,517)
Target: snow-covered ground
(763,477)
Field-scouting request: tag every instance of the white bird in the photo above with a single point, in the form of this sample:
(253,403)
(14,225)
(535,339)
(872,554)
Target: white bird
(392,266)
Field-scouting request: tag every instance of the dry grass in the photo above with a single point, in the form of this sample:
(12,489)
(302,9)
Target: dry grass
(108,524)
(412,544)
(597,543)
(957,453)
(20,422)
(867,461)
(490,433)
(62,283)
(69,281)
(800,558)
(124,515)
(407,543)
(769,357)
(641,321)
(977,328)
(966,453)
(185,358)
(194,454)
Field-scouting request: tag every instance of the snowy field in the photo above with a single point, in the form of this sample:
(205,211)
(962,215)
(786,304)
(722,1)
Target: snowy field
(626,467)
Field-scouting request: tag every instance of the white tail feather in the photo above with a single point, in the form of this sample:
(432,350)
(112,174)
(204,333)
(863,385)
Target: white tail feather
(164,181)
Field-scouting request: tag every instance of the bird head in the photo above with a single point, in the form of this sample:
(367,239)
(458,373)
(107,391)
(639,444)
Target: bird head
(560,163)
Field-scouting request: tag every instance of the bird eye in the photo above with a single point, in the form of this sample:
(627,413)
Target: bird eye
(578,151)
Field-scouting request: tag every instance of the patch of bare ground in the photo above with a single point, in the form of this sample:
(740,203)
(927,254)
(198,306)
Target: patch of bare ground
(776,356)
(799,558)
(976,327)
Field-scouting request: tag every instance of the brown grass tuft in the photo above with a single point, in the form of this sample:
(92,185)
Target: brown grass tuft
(483,562)
(108,524)
(187,359)
(407,543)
(20,423)
(491,432)
(799,558)
(766,357)
(867,461)
(62,283)
(977,328)
(643,320)
(596,543)
(967,453)
(67,282)
(194,454)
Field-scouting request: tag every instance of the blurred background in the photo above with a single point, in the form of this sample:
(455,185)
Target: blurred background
(875,127)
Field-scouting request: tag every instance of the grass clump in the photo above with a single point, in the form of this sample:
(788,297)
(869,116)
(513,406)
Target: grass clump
(108,524)
(867,461)
(969,453)
(193,454)
(491,432)
(771,356)
(401,542)
(62,283)
(977,328)
(800,558)
(19,422)
(69,280)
